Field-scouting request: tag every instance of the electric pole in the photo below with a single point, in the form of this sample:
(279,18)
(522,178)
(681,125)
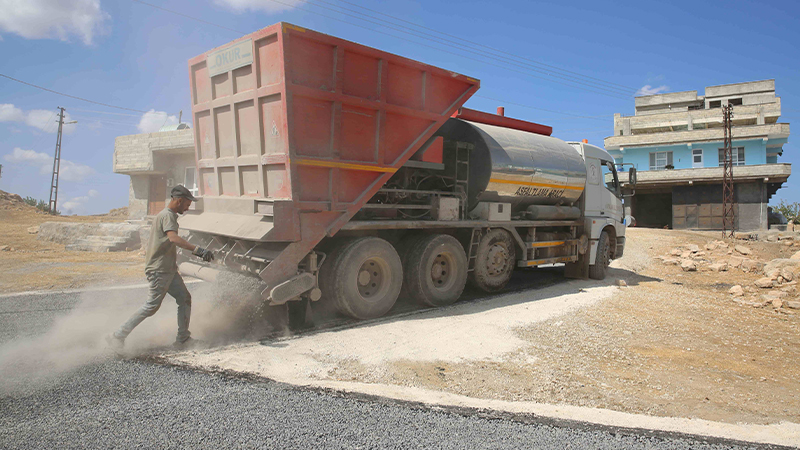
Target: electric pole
(57,163)
(728,198)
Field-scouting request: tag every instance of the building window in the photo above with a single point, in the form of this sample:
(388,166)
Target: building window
(734,101)
(737,156)
(190,181)
(715,104)
(660,160)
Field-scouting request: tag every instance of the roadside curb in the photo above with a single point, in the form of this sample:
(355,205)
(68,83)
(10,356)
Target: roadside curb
(78,291)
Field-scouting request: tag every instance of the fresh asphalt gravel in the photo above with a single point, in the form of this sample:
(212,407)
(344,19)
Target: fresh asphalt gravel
(112,403)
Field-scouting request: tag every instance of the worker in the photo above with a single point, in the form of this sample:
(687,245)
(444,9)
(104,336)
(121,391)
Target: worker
(161,269)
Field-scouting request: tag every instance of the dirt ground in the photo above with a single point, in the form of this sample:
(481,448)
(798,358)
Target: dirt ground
(30,264)
(670,344)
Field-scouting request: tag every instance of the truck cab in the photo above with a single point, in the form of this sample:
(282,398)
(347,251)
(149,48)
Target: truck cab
(603,207)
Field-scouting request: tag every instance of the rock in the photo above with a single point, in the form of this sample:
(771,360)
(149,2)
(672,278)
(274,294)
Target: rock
(792,304)
(764,283)
(736,291)
(33,230)
(721,244)
(742,250)
(752,266)
(675,251)
(711,246)
(773,274)
(718,267)
(777,303)
(686,254)
(693,248)
(778,294)
(788,243)
(735,261)
(670,261)
(688,265)
(787,274)
(781,263)
(621,283)
(796,256)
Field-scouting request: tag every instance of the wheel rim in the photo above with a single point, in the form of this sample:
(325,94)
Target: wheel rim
(373,279)
(443,271)
(496,260)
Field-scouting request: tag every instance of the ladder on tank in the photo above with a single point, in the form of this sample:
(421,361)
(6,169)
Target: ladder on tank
(461,185)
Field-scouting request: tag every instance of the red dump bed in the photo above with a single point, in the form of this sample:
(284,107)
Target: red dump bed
(295,130)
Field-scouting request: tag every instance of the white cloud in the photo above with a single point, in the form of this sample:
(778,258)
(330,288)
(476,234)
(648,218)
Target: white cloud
(153,120)
(76,204)
(69,171)
(10,113)
(241,6)
(53,19)
(43,119)
(650,90)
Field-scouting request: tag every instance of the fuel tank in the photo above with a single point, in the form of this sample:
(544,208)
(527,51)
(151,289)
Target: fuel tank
(517,167)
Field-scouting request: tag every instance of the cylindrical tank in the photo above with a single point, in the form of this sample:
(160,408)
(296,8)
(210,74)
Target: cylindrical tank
(517,167)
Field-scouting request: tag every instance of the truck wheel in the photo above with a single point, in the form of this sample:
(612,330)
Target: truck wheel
(435,270)
(597,271)
(494,261)
(364,278)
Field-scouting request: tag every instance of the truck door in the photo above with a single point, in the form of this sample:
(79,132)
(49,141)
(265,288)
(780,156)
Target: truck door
(602,190)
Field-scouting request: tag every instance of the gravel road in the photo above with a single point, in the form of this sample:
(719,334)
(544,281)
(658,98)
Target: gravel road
(108,403)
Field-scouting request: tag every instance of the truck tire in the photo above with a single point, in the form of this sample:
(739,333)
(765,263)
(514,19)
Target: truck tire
(494,261)
(435,270)
(597,271)
(363,279)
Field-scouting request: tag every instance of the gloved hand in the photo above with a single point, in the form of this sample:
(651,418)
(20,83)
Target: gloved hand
(204,253)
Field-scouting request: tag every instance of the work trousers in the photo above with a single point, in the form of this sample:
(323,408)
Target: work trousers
(162,284)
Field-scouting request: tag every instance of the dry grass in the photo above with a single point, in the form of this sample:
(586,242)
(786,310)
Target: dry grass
(35,264)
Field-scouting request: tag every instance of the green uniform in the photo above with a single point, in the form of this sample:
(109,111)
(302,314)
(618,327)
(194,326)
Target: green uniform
(162,274)
(161,253)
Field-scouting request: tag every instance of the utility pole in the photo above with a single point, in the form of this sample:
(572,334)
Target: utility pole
(728,199)
(57,163)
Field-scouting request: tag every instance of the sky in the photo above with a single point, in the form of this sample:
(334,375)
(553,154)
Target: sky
(570,65)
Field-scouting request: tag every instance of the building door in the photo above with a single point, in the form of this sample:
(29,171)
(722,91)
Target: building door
(157,200)
(697,158)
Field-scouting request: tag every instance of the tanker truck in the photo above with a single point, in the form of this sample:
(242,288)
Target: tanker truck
(335,172)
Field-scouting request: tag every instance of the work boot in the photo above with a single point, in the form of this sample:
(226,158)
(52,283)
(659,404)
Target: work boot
(188,344)
(116,344)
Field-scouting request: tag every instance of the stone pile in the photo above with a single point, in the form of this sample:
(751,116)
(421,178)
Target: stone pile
(777,287)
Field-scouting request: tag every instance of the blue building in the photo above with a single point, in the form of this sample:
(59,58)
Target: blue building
(675,142)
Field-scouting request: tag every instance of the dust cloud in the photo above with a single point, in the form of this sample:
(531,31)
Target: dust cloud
(229,310)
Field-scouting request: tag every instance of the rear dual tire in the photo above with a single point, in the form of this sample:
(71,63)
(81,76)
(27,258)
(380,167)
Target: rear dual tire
(435,268)
(364,277)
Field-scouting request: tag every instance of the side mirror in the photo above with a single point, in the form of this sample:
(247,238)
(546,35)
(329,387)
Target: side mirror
(631,183)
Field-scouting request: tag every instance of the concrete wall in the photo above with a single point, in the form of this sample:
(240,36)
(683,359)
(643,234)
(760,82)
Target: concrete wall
(132,154)
(137,196)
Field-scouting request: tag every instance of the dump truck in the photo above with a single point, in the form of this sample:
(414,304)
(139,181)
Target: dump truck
(339,173)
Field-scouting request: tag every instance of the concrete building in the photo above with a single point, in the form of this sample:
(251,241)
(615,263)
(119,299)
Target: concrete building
(675,142)
(155,162)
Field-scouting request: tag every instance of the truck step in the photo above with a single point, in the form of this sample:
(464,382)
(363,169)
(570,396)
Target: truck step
(543,261)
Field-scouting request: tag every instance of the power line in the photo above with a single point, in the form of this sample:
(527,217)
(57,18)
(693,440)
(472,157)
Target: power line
(539,109)
(609,92)
(612,94)
(626,89)
(104,112)
(70,96)
(189,17)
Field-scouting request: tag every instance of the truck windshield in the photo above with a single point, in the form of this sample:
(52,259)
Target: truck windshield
(610,177)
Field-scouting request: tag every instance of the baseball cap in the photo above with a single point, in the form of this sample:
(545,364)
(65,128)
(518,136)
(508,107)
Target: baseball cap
(180,191)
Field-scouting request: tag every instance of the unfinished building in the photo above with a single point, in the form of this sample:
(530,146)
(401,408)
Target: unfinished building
(155,162)
(675,141)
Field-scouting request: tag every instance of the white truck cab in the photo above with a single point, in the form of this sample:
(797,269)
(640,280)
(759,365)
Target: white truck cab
(603,207)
